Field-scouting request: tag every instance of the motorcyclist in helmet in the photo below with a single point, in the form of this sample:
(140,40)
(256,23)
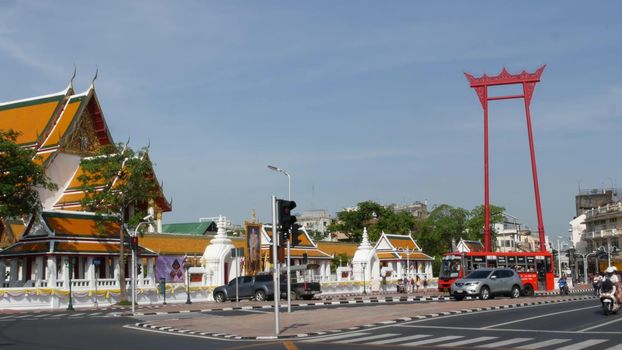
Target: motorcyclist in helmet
(611,275)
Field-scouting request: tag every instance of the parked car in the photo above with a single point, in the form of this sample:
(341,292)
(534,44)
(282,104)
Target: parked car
(487,283)
(261,287)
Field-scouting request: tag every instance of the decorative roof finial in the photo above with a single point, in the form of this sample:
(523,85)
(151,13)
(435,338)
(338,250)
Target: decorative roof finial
(75,69)
(254,216)
(95,77)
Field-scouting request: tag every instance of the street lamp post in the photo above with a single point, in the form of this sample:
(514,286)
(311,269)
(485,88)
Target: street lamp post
(287,262)
(146,220)
(188,301)
(559,255)
(70,262)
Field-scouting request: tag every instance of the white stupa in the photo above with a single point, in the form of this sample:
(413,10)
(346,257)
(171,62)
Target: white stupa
(217,256)
(363,258)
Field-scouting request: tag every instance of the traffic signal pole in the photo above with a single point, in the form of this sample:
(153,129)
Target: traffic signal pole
(275,269)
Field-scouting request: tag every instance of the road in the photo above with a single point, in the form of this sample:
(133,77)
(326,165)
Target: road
(572,325)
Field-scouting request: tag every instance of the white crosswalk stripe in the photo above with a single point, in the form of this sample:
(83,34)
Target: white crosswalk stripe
(78,314)
(583,344)
(335,337)
(434,340)
(5,317)
(468,341)
(371,337)
(504,343)
(95,314)
(398,340)
(42,315)
(615,347)
(545,343)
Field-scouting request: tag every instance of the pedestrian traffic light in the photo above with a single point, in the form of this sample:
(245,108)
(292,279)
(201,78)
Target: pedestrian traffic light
(285,218)
(134,242)
(139,269)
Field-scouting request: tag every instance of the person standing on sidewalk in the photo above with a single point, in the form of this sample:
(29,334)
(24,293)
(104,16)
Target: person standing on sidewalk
(425,285)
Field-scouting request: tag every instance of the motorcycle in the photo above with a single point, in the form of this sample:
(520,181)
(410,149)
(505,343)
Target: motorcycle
(563,287)
(608,299)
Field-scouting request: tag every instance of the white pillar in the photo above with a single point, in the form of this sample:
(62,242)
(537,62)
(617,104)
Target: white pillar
(38,271)
(90,272)
(2,272)
(51,271)
(117,270)
(14,273)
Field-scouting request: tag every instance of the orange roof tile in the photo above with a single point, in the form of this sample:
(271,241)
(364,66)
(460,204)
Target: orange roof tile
(386,255)
(30,117)
(23,248)
(338,248)
(80,225)
(63,122)
(167,244)
(414,256)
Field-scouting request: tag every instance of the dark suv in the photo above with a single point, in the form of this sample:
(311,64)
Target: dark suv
(486,283)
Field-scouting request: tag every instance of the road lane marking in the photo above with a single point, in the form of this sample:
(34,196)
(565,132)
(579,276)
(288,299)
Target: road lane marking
(539,316)
(467,341)
(397,340)
(371,337)
(583,344)
(503,343)
(340,336)
(435,340)
(289,345)
(542,344)
(600,325)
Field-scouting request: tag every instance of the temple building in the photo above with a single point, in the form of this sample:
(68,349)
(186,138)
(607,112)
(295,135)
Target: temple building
(39,250)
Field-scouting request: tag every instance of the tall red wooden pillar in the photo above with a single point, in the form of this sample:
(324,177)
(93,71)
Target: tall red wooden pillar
(528,82)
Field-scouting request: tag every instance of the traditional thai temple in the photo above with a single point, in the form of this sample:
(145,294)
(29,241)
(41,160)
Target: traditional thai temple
(40,251)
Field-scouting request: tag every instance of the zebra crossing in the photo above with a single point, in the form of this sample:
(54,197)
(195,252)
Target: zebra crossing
(53,316)
(449,341)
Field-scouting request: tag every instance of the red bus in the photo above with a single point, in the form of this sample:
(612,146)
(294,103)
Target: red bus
(534,268)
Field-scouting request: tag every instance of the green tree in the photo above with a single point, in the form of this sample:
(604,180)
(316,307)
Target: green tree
(339,260)
(20,178)
(119,182)
(435,233)
(376,218)
(475,223)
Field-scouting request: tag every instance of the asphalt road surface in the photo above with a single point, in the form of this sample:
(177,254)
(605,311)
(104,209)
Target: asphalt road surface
(570,325)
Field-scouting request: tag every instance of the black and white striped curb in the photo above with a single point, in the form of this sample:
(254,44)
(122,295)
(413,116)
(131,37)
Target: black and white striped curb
(146,325)
(341,301)
(320,303)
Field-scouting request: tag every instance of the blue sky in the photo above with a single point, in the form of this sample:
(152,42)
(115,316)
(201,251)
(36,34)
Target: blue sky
(358,100)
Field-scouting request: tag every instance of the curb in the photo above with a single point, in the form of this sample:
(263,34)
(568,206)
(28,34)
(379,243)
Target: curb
(371,300)
(227,336)
(341,301)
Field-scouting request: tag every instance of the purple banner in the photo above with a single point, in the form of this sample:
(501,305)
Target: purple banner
(170,268)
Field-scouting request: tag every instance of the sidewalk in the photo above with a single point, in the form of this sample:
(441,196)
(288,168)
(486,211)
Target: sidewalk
(305,322)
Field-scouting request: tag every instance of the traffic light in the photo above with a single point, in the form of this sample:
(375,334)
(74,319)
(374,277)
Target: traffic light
(134,242)
(139,269)
(285,218)
(295,232)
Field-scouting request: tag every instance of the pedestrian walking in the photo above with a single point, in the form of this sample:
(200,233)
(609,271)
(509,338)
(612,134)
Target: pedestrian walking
(418,283)
(425,285)
(596,283)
